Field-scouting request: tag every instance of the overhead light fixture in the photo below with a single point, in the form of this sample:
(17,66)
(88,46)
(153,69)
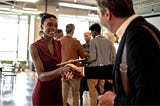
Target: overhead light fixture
(30,9)
(152,10)
(25,11)
(79,6)
(32,1)
(5,8)
(9,12)
(57,8)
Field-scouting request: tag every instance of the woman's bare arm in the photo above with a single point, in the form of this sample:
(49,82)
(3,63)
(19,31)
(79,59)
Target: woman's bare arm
(44,75)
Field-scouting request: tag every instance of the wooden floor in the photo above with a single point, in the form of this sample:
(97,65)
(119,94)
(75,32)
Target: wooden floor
(17,90)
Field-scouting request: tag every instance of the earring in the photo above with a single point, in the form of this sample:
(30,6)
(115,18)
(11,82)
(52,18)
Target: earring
(41,33)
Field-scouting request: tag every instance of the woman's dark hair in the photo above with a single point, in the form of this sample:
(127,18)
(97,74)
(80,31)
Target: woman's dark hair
(120,8)
(59,31)
(45,16)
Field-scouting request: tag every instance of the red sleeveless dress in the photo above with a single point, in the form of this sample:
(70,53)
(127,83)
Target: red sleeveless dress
(48,93)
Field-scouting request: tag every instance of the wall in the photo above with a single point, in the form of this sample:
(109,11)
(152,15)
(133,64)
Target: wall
(155,21)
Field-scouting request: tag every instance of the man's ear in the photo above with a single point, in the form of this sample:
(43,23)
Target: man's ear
(107,14)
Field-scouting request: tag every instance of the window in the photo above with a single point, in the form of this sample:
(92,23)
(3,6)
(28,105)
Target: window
(13,37)
(81,25)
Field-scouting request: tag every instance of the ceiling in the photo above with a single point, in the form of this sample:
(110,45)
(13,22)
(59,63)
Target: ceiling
(141,6)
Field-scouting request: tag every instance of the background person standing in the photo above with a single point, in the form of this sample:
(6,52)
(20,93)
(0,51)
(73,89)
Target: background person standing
(100,53)
(71,49)
(59,34)
(83,83)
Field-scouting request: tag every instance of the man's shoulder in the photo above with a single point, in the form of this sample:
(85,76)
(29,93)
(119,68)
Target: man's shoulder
(70,40)
(99,37)
(76,40)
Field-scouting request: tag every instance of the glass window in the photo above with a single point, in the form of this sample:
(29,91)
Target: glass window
(23,38)
(81,25)
(13,37)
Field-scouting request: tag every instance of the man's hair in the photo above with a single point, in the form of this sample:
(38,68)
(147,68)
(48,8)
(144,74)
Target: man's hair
(70,28)
(95,27)
(59,31)
(46,16)
(120,8)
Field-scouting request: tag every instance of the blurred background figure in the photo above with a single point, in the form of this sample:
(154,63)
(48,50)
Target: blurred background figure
(100,52)
(59,34)
(83,83)
(71,49)
(111,37)
(87,38)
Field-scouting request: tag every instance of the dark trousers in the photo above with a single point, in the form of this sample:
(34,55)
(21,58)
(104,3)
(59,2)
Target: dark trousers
(83,87)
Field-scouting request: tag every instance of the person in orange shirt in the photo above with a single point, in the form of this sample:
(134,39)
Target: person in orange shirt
(71,49)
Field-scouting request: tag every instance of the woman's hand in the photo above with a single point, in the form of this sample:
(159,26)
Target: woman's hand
(75,73)
(65,69)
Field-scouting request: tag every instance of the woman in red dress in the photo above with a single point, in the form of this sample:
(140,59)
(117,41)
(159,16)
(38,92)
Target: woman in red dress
(46,54)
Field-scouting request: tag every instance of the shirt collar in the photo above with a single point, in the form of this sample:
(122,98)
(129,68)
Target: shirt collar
(97,36)
(124,26)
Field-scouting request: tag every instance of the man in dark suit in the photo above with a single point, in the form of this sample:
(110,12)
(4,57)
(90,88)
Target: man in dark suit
(142,56)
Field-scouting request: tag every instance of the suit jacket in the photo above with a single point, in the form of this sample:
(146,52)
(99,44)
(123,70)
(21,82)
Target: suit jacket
(100,51)
(71,49)
(143,60)
(86,47)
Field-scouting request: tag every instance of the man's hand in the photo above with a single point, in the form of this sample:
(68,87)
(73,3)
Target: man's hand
(75,68)
(107,98)
(75,73)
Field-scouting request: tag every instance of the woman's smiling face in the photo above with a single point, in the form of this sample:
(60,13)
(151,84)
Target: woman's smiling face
(50,27)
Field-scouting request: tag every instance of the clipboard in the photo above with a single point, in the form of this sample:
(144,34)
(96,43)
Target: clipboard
(70,61)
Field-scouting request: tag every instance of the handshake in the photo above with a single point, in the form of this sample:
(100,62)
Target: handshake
(71,71)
